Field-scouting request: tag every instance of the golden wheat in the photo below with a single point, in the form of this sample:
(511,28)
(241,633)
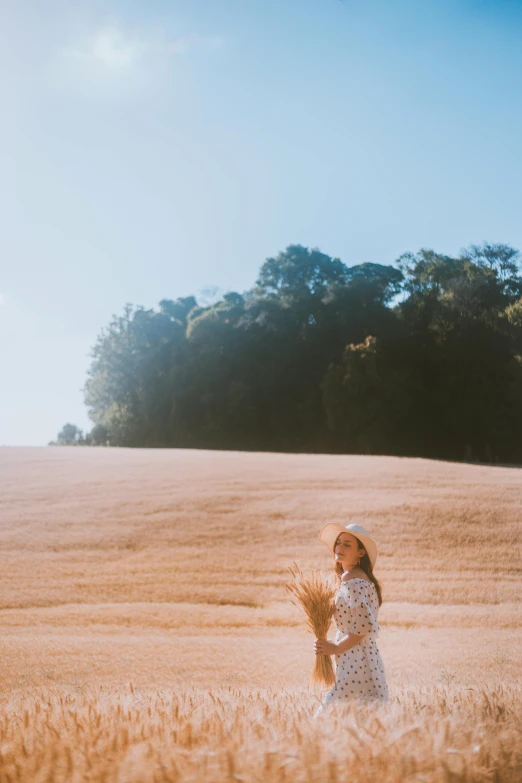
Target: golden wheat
(167,569)
(315,596)
(224,734)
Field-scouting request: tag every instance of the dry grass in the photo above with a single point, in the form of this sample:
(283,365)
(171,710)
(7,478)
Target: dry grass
(144,618)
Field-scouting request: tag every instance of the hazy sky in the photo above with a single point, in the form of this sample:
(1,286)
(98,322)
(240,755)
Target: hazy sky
(150,149)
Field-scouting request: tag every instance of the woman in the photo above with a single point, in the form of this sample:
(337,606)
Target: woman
(359,670)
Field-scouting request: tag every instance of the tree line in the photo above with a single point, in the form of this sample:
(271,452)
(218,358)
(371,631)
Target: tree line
(419,358)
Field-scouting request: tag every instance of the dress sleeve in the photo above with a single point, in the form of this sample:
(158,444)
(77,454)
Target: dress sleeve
(361,618)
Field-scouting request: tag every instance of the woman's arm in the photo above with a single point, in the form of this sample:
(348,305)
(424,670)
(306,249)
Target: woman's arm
(324,647)
(349,641)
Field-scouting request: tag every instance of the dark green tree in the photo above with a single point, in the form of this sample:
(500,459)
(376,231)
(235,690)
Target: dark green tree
(129,389)
(422,357)
(69,435)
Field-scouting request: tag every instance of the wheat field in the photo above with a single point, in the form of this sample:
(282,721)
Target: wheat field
(146,634)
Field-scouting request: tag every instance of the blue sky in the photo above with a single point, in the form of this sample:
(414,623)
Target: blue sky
(150,150)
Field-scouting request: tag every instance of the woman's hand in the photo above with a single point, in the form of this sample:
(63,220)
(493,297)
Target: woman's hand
(324,647)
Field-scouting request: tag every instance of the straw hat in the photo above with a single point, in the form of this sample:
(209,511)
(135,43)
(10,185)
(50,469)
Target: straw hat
(330,532)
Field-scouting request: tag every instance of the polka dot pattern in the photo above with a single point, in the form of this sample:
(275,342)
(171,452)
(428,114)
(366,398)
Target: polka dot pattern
(359,672)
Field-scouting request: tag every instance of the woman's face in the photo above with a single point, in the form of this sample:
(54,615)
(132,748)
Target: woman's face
(347,550)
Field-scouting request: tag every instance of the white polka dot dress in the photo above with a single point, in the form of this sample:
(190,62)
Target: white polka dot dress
(359,672)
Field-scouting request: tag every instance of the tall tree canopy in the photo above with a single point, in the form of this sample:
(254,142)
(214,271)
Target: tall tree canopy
(422,357)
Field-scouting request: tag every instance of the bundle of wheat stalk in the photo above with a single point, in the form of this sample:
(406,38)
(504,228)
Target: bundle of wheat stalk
(315,596)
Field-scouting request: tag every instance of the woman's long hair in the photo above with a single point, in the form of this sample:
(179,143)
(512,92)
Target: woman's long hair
(364,564)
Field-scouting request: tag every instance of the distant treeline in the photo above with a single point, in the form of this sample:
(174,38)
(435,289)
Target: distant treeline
(421,358)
